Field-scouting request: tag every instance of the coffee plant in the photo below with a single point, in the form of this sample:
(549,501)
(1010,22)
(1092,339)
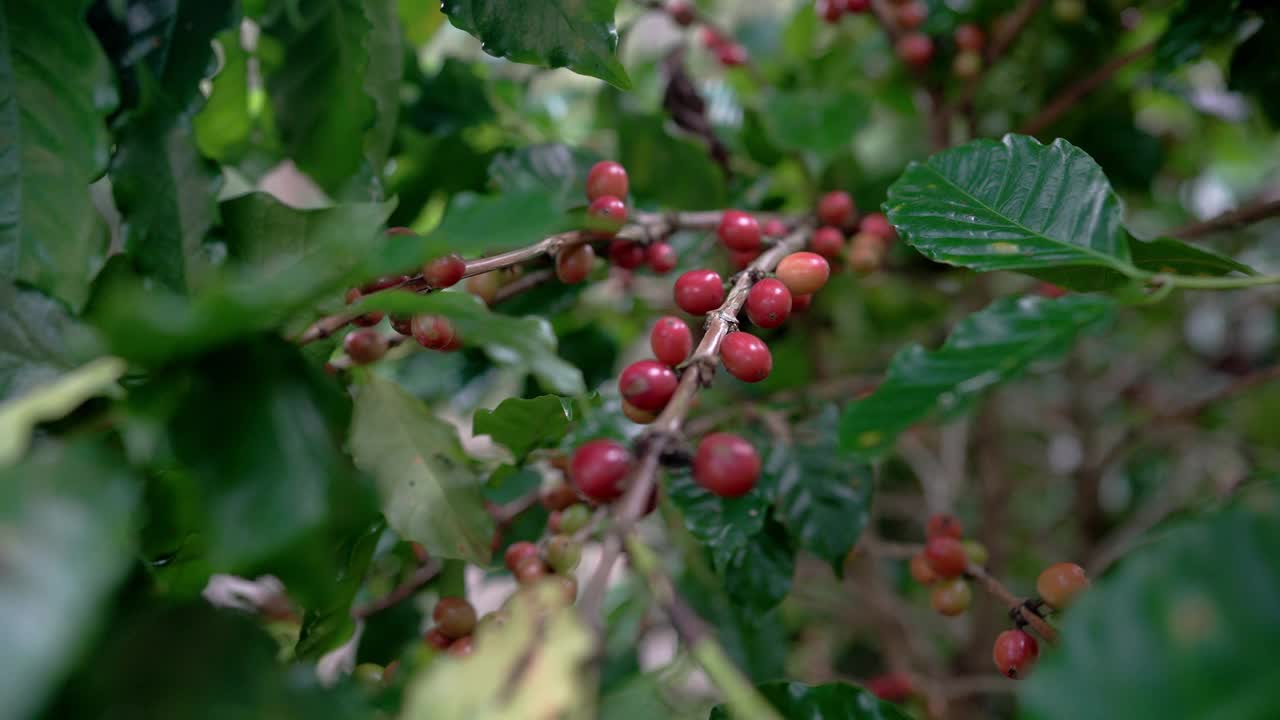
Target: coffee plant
(566,359)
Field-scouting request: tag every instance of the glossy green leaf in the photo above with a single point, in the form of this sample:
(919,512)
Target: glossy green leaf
(524,424)
(224,125)
(526,342)
(994,345)
(577,34)
(429,493)
(325,628)
(823,494)
(721,524)
(1192,27)
(1015,205)
(757,575)
(68,518)
(821,121)
(555,168)
(55,89)
(1183,628)
(324,56)
(420,18)
(1170,255)
(19,416)
(382,79)
(649,152)
(39,340)
(833,701)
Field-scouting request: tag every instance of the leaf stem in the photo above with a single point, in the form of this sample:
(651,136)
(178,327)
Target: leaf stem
(1188,282)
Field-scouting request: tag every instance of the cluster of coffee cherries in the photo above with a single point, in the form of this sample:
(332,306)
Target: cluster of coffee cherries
(607,185)
(865,251)
(728,52)
(943,562)
(1016,651)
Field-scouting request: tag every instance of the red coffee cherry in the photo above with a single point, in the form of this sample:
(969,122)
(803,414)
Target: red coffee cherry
(731,55)
(433,332)
(636,415)
(598,469)
(1050,290)
(681,12)
(698,292)
(920,570)
(444,271)
(726,465)
(800,303)
(1060,584)
(946,556)
(662,258)
(877,224)
(462,647)
(746,357)
(915,49)
(626,254)
(606,215)
(607,178)
(830,10)
(827,241)
(768,303)
(739,231)
(671,340)
(530,570)
(911,15)
(365,346)
(951,597)
(712,39)
(892,687)
(803,272)
(647,384)
(774,228)
(835,208)
(517,552)
(943,525)
(366,320)
(573,265)
(402,324)
(437,639)
(970,37)
(857,6)
(741,259)
(454,617)
(1014,653)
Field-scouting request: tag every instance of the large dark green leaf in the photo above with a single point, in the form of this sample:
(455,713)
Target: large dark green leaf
(324,57)
(1169,255)
(382,79)
(1015,205)
(991,346)
(1252,70)
(555,168)
(55,88)
(820,121)
(721,524)
(429,493)
(833,701)
(757,575)
(1184,628)
(650,153)
(822,493)
(328,626)
(1193,26)
(522,425)
(38,340)
(577,34)
(67,518)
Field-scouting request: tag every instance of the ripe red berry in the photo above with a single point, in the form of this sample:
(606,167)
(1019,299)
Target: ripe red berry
(698,292)
(437,639)
(943,525)
(402,324)
(530,570)
(741,259)
(647,384)
(433,332)
(803,272)
(712,39)
(517,552)
(671,340)
(626,254)
(746,357)
(835,208)
(726,465)
(607,178)
(444,271)
(911,15)
(915,49)
(454,617)
(768,303)
(462,647)
(731,55)
(920,570)
(662,258)
(739,231)
(946,556)
(681,12)
(606,215)
(1015,652)
(877,224)
(598,468)
(573,265)
(774,228)
(892,687)
(636,415)
(951,597)
(827,241)
(857,6)
(1050,290)
(1060,584)
(970,37)
(365,346)
(800,303)
(830,10)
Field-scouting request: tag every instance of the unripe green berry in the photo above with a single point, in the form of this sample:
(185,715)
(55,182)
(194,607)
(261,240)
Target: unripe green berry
(563,553)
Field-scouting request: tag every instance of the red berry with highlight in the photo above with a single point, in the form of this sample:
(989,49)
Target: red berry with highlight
(774,228)
(911,15)
(1014,653)
(671,340)
(946,556)
(444,271)
(768,303)
(915,49)
(830,10)
(365,346)
(437,639)
(698,292)
(726,465)
(647,384)
(607,178)
(803,272)
(681,12)
(943,525)
(746,357)
(877,224)
(573,265)
(662,258)
(626,254)
(598,468)
(739,231)
(517,552)
(1060,583)
(433,332)
(462,647)
(731,55)
(827,241)
(835,208)
(530,570)
(606,215)
(857,6)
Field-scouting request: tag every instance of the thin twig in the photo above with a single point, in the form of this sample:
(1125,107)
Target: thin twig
(1251,213)
(1074,93)
(403,591)
(1015,604)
